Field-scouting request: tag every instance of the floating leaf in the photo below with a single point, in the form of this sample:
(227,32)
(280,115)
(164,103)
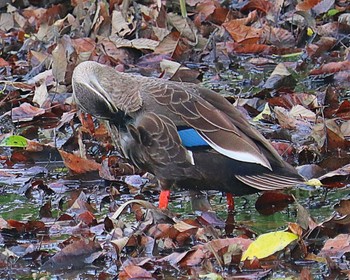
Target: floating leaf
(14,141)
(269,243)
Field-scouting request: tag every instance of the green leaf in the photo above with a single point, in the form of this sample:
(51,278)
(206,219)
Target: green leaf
(15,141)
(332,12)
(183,8)
(269,243)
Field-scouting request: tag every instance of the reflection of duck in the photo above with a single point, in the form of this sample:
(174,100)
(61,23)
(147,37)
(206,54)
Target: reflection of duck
(186,135)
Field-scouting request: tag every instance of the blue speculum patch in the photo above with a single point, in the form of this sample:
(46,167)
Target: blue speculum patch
(190,138)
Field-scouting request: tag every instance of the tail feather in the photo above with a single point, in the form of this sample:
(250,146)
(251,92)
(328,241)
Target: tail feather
(265,182)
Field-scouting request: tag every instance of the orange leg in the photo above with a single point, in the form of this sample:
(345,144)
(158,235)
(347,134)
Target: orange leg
(230,202)
(164,199)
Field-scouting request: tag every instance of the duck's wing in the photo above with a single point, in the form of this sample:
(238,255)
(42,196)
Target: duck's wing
(237,119)
(215,127)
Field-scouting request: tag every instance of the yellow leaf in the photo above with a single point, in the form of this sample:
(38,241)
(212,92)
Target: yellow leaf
(265,112)
(267,244)
(310,32)
(314,183)
(211,276)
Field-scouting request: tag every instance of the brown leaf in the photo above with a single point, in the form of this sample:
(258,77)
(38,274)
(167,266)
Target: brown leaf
(134,272)
(331,67)
(26,112)
(84,46)
(304,219)
(344,110)
(194,257)
(271,202)
(285,119)
(3,62)
(211,218)
(278,37)
(45,211)
(307,5)
(59,62)
(336,247)
(342,171)
(343,207)
(296,229)
(120,26)
(241,32)
(33,146)
(168,44)
(87,217)
(74,255)
(160,230)
(206,7)
(246,48)
(218,244)
(280,77)
(260,5)
(77,164)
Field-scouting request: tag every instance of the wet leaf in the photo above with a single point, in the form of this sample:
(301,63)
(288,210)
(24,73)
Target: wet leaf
(336,247)
(120,25)
(272,202)
(331,67)
(307,5)
(78,164)
(76,255)
(323,6)
(267,244)
(134,272)
(240,32)
(342,171)
(211,276)
(279,77)
(343,208)
(26,112)
(140,44)
(15,141)
(303,218)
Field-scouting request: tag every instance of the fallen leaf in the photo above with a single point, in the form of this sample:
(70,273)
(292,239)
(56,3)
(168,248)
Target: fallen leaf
(267,244)
(336,247)
(78,164)
(26,112)
(14,141)
(74,255)
(271,202)
(134,272)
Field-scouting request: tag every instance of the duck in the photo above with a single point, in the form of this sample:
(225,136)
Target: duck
(188,136)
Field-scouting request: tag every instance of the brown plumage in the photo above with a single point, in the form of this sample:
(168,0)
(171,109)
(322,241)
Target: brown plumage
(186,135)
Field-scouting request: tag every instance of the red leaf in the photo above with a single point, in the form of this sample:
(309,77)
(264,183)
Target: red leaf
(307,5)
(272,202)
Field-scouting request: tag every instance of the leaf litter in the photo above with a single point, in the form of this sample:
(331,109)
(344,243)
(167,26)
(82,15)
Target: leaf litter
(285,66)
